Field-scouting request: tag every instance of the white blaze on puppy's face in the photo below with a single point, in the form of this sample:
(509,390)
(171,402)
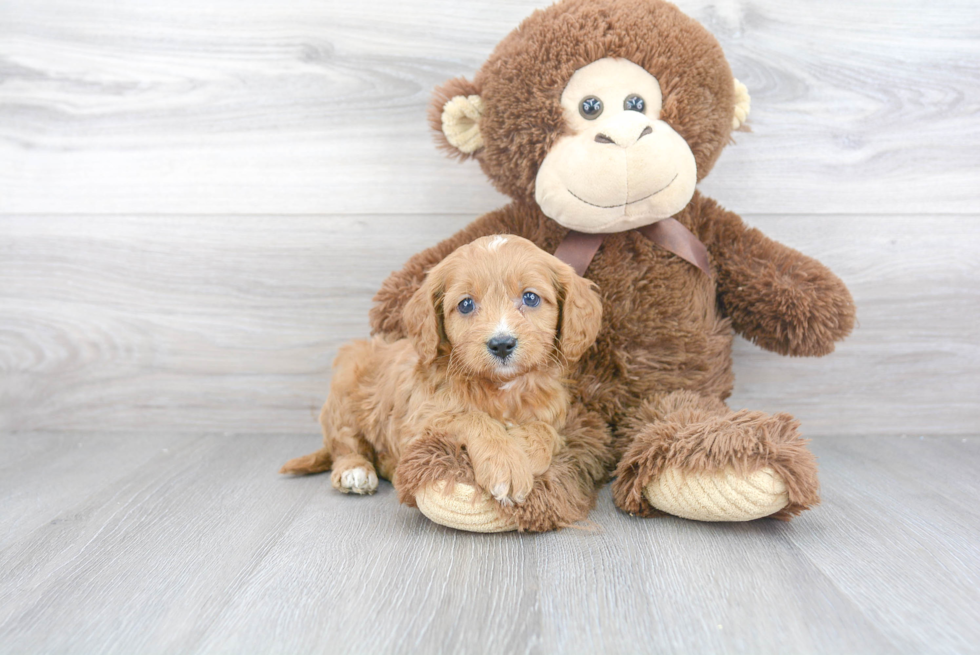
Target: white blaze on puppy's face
(496,242)
(621,167)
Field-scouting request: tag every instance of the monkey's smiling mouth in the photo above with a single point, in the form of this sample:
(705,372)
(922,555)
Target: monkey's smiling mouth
(631,202)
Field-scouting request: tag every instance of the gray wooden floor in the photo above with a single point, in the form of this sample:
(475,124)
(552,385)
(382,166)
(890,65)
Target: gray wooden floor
(138,543)
(198,199)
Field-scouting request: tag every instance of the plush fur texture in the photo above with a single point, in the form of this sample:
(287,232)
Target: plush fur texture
(522,81)
(444,387)
(650,393)
(696,433)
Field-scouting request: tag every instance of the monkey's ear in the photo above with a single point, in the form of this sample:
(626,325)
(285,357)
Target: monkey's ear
(455,114)
(742,105)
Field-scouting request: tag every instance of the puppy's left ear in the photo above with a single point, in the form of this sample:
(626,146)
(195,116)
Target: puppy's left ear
(579,312)
(422,316)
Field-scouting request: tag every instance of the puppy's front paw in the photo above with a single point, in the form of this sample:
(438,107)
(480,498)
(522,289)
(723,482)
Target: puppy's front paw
(508,479)
(356,480)
(501,494)
(540,441)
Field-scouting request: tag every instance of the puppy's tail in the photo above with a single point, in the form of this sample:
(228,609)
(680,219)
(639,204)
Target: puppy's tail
(316,462)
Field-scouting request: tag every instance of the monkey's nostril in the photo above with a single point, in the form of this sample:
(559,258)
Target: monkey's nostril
(646,130)
(602,138)
(502,347)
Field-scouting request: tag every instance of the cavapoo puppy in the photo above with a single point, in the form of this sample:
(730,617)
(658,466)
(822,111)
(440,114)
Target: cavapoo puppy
(492,330)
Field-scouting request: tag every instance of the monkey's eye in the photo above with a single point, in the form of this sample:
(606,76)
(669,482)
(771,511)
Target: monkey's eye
(590,108)
(531,299)
(466,305)
(634,103)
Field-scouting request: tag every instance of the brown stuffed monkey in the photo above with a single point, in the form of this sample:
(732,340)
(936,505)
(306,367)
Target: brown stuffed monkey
(598,118)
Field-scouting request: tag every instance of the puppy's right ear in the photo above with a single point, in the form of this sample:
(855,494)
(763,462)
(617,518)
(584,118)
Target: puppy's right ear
(455,114)
(422,316)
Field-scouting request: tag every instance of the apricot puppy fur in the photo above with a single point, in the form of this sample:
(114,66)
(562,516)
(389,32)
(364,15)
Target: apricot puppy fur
(492,331)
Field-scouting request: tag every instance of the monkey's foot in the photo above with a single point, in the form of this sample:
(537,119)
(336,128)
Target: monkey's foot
(718,496)
(465,507)
(693,457)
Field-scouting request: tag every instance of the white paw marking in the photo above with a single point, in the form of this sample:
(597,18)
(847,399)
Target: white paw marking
(496,242)
(500,493)
(359,480)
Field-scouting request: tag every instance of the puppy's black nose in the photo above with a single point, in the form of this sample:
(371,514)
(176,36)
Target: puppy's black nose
(502,347)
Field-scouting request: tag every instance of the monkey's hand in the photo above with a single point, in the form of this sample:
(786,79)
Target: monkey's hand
(775,296)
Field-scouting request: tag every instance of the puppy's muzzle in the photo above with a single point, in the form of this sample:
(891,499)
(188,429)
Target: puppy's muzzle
(501,346)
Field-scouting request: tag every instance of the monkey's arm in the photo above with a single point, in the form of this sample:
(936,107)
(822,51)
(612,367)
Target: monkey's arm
(386,314)
(775,296)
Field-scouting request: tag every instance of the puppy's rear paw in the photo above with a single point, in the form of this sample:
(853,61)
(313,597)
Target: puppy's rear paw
(356,480)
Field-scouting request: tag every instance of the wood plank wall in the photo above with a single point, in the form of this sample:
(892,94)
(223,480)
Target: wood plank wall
(198,199)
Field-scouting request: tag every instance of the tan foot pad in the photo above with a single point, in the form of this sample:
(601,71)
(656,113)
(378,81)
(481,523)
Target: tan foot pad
(718,496)
(466,508)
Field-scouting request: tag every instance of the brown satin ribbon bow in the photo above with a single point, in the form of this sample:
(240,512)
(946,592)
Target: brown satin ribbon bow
(578,248)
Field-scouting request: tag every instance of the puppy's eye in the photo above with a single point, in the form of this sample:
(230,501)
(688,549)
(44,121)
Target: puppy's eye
(590,108)
(466,305)
(634,103)
(531,299)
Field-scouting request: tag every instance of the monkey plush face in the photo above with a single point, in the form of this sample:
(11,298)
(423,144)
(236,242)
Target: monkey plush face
(604,113)
(619,166)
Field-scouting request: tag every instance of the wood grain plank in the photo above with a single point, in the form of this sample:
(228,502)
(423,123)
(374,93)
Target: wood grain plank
(42,476)
(306,107)
(670,585)
(205,548)
(133,565)
(231,323)
(391,583)
(907,556)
